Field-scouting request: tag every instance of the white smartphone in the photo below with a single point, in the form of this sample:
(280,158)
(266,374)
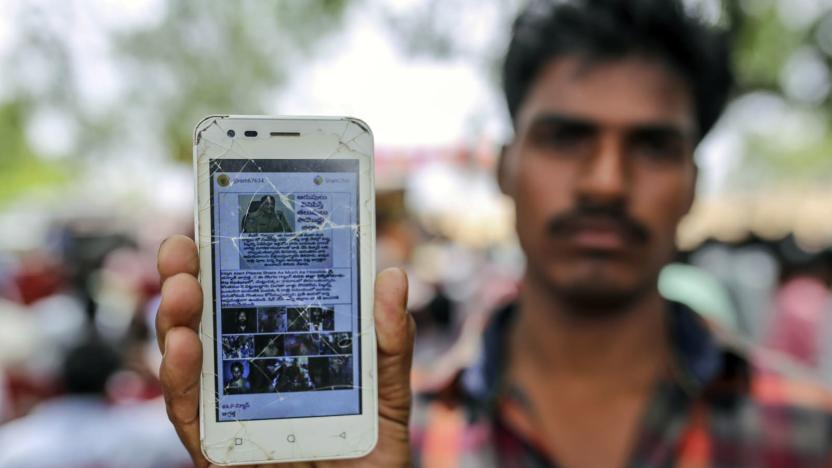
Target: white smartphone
(285,224)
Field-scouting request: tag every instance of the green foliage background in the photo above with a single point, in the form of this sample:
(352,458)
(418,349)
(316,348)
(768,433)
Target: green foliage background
(225,56)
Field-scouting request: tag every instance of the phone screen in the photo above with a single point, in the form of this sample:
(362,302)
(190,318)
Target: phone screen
(286,287)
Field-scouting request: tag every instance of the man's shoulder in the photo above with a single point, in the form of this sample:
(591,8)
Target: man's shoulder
(780,382)
(784,412)
(749,396)
(766,400)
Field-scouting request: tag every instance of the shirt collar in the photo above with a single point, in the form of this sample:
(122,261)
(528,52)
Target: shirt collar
(698,355)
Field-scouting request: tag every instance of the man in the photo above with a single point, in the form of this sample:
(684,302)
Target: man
(263,375)
(238,383)
(267,320)
(272,348)
(591,367)
(243,324)
(265,219)
(316,320)
(293,378)
(340,371)
(319,373)
(272,319)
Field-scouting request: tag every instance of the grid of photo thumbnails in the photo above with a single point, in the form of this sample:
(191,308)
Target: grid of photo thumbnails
(284,349)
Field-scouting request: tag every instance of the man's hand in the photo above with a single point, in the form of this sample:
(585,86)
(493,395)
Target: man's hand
(177,334)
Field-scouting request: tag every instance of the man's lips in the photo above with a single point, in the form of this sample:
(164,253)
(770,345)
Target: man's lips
(597,234)
(598,239)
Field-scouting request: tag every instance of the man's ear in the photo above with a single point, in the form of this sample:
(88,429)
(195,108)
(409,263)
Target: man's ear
(503,172)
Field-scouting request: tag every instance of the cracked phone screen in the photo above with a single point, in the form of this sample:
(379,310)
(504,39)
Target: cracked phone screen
(285,248)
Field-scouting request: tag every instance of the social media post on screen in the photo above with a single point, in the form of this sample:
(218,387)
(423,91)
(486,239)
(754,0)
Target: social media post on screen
(286,288)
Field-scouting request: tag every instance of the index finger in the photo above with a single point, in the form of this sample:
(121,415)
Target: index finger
(177,254)
(181,302)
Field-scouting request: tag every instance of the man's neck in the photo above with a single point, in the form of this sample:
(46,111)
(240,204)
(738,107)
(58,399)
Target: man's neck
(624,349)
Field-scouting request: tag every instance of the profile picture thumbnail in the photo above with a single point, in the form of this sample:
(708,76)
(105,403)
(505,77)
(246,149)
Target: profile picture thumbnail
(239,320)
(264,375)
(311,318)
(236,377)
(268,346)
(266,214)
(331,373)
(237,347)
(335,343)
(272,320)
(302,344)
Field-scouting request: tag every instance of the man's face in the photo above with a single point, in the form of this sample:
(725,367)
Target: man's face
(601,172)
(236,372)
(268,203)
(242,318)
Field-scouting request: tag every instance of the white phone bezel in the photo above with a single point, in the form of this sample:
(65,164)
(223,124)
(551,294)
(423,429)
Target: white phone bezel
(315,438)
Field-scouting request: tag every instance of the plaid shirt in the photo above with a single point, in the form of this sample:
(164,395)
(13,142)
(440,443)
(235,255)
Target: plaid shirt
(726,407)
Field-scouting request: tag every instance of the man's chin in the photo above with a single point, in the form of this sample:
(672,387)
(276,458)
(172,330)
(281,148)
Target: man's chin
(598,301)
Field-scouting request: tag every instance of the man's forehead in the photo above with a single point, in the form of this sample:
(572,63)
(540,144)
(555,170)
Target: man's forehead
(625,92)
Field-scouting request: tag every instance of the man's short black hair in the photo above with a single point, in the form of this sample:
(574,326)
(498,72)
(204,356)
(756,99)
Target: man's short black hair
(602,30)
(237,365)
(88,367)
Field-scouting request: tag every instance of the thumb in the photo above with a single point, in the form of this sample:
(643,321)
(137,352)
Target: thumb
(395,331)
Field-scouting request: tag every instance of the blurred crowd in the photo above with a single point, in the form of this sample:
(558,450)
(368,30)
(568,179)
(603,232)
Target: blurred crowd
(78,358)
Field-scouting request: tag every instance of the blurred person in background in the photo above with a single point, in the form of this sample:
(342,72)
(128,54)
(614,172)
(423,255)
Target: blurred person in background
(58,346)
(590,367)
(83,428)
(800,319)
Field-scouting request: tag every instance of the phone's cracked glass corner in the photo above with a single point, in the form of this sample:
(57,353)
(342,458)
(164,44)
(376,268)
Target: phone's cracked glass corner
(286,238)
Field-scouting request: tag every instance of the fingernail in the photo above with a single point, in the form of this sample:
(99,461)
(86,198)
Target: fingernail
(400,272)
(161,244)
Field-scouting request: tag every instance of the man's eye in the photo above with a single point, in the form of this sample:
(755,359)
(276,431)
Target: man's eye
(563,139)
(658,148)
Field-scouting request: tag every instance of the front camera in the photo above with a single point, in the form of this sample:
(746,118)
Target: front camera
(231,133)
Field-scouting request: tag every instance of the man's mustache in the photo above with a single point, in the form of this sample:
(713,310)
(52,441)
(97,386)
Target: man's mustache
(578,218)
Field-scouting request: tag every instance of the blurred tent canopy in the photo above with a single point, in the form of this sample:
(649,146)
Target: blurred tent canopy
(771,215)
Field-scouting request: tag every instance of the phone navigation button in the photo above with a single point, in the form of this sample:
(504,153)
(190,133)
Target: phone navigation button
(290,438)
(343,435)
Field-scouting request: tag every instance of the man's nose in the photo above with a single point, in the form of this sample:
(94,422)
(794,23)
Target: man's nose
(604,176)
